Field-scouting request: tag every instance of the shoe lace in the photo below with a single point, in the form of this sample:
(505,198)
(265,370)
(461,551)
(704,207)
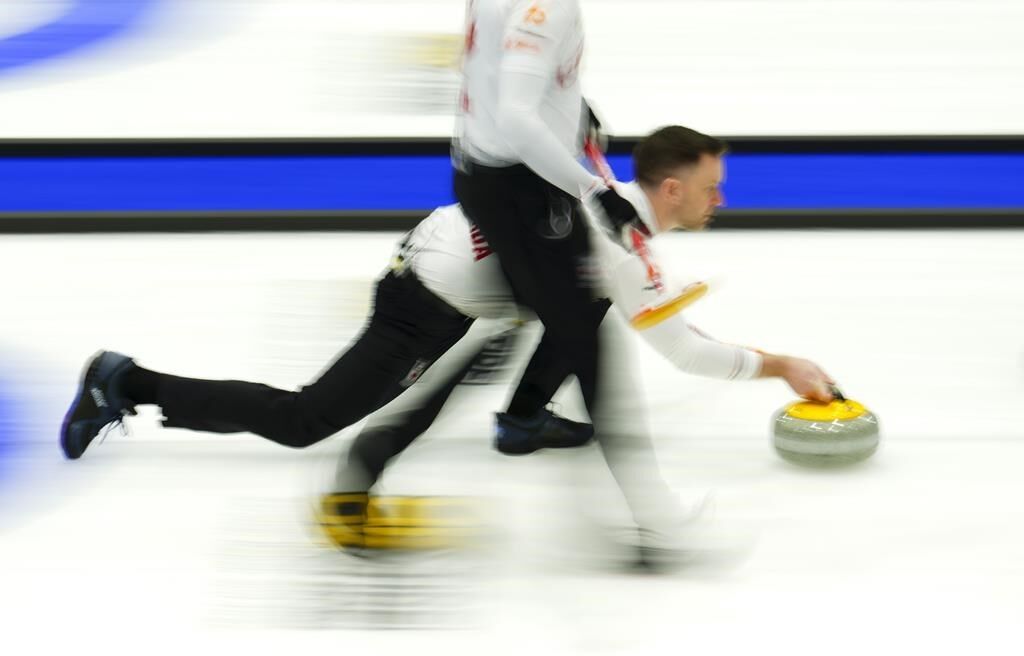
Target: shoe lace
(118,422)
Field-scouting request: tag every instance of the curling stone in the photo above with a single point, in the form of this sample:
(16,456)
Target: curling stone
(825,434)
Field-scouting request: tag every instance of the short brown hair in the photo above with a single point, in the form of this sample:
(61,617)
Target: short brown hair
(665,150)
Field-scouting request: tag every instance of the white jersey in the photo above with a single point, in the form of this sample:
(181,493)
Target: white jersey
(537,37)
(452,259)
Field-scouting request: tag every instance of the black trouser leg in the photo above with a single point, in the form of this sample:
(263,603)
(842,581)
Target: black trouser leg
(409,329)
(543,244)
(386,437)
(376,445)
(546,371)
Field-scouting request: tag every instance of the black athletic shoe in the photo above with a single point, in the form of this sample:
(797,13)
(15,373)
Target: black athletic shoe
(545,430)
(99,402)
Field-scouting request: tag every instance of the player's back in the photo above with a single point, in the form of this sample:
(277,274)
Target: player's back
(542,37)
(453,260)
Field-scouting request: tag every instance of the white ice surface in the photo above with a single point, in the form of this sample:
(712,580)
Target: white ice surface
(163,541)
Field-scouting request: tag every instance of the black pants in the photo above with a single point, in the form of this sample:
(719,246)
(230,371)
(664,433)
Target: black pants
(543,244)
(381,441)
(409,329)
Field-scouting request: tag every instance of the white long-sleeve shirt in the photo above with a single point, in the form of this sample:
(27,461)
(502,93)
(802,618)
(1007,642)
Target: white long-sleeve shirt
(453,260)
(521,100)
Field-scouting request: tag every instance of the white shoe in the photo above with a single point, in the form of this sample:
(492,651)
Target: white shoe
(692,539)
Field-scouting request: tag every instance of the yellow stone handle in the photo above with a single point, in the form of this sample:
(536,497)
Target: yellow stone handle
(812,411)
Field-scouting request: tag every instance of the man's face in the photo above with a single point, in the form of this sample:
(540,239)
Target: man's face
(698,193)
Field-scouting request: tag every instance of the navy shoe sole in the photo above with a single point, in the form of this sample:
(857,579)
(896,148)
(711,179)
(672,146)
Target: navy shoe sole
(545,436)
(73,431)
(516,449)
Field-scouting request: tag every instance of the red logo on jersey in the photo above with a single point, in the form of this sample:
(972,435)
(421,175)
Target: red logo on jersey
(481,248)
(521,44)
(568,75)
(536,15)
(471,38)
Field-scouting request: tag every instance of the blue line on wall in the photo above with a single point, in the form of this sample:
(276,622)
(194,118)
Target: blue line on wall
(400,183)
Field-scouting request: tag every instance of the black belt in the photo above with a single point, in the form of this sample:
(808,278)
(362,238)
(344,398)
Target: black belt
(518,170)
(468,166)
